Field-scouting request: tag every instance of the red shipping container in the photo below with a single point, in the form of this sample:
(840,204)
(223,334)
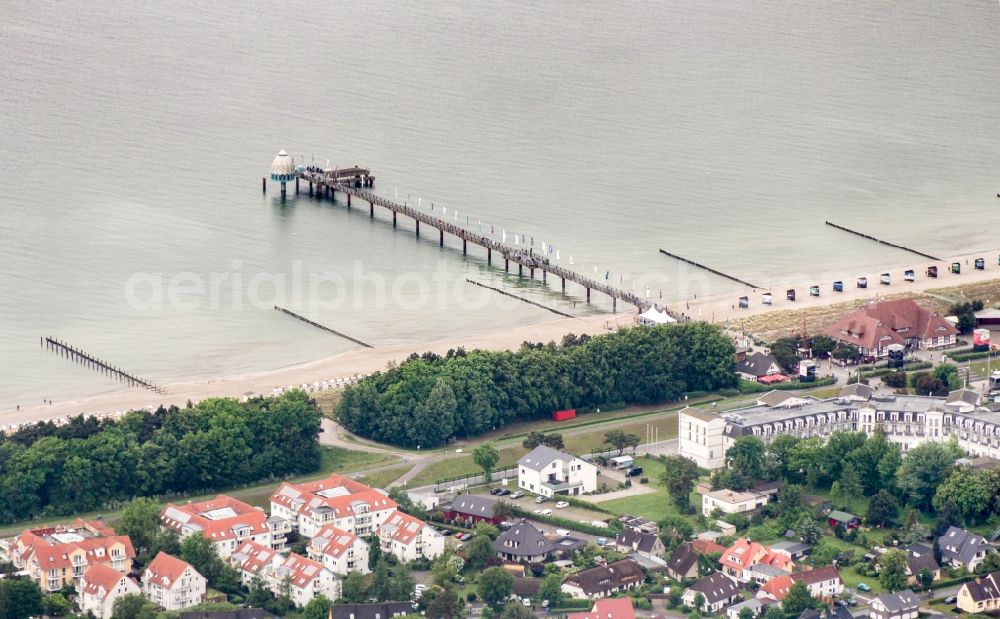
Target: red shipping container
(564,415)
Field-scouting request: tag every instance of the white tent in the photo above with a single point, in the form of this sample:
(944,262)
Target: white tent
(653,316)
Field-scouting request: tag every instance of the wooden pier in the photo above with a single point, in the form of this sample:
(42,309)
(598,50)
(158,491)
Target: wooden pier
(323,327)
(877,240)
(524,258)
(85,359)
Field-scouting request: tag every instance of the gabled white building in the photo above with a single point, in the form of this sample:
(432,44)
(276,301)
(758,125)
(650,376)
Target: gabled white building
(339,551)
(100,586)
(335,500)
(254,561)
(408,538)
(550,472)
(224,521)
(304,579)
(173,584)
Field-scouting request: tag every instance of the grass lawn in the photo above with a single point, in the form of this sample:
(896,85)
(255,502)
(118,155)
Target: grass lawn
(655,506)
(384,477)
(334,460)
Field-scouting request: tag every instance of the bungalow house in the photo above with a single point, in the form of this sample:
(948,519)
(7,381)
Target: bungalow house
(737,560)
(823,582)
(172,584)
(381,610)
(755,605)
(877,325)
(899,605)
(640,524)
(683,563)
(468,509)
(792,550)
(981,595)
(408,538)
(550,472)
(961,548)
(836,517)
(717,590)
(615,608)
(339,551)
(916,565)
(603,581)
(100,586)
(224,521)
(645,544)
(523,543)
(761,368)
(341,501)
(732,502)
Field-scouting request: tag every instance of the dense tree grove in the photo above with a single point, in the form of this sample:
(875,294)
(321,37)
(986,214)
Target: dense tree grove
(48,470)
(429,399)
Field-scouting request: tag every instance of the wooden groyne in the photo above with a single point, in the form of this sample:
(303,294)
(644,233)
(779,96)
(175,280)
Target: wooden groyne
(709,269)
(326,185)
(94,363)
(323,327)
(514,296)
(878,240)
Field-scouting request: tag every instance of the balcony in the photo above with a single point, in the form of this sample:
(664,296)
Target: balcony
(557,487)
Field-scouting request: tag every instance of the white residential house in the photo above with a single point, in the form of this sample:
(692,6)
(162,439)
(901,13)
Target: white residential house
(254,561)
(225,521)
(408,538)
(336,500)
(173,584)
(100,586)
(339,551)
(732,502)
(550,472)
(305,579)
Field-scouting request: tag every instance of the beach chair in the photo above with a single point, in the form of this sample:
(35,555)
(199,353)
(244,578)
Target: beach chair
(838,286)
(909,276)
(790,294)
(885,279)
(956,267)
(814,291)
(932,271)
(862,282)
(980,264)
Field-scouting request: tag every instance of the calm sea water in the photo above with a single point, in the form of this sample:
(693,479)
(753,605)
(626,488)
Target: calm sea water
(133,139)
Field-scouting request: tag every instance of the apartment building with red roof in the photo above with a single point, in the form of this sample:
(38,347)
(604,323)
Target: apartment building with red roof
(58,556)
(743,554)
(408,538)
(254,560)
(339,551)
(335,500)
(225,521)
(173,584)
(98,588)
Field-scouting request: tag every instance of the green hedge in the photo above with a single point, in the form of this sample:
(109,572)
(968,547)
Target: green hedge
(969,356)
(819,382)
(564,523)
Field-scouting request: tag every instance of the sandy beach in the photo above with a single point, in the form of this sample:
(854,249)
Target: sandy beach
(722,308)
(718,309)
(361,361)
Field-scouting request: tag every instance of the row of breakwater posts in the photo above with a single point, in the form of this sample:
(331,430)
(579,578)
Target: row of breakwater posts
(325,184)
(323,327)
(96,364)
(881,241)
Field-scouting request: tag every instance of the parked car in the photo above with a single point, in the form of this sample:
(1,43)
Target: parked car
(863,587)
(503,492)
(447,532)
(602,541)
(537,511)
(562,532)
(546,512)
(506,525)
(516,494)
(634,472)
(541,499)
(951,599)
(562,505)
(496,491)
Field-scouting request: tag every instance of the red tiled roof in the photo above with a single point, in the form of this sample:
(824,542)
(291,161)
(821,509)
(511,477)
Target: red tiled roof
(165,570)
(210,517)
(303,570)
(778,587)
(707,547)
(876,325)
(342,494)
(615,608)
(401,527)
(252,557)
(100,579)
(335,542)
(54,555)
(744,553)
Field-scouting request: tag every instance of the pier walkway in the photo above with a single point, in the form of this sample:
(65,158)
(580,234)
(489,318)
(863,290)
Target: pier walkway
(524,259)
